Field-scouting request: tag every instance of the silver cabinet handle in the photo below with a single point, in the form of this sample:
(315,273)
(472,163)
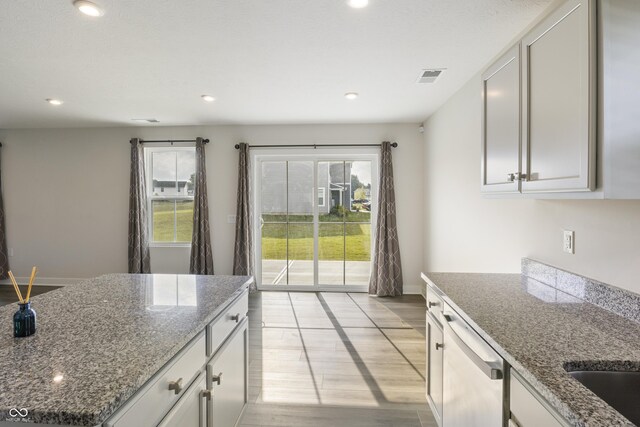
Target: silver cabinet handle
(176,386)
(439,346)
(521,176)
(511,177)
(236,317)
(432,304)
(490,369)
(217,378)
(205,409)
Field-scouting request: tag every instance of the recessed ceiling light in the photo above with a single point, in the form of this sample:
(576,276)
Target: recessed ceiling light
(351,95)
(54,101)
(208,98)
(358,4)
(88,8)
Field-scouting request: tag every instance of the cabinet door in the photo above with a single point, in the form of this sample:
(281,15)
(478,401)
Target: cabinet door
(228,375)
(558,70)
(527,410)
(500,165)
(191,409)
(434,367)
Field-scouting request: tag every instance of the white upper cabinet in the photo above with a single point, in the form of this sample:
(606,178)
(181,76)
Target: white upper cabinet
(558,101)
(539,111)
(500,166)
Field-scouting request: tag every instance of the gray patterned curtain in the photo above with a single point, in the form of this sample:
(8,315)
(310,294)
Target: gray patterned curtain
(4,254)
(243,254)
(386,277)
(139,260)
(201,261)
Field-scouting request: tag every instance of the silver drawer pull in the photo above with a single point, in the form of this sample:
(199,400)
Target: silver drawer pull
(176,386)
(207,394)
(432,304)
(217,378)
(236,317)
(439,346)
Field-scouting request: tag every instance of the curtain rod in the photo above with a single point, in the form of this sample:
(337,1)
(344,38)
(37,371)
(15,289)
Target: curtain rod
(171,141)
(314,146)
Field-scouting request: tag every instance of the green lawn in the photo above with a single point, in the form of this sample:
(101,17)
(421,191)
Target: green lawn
(163,220)
(331,244)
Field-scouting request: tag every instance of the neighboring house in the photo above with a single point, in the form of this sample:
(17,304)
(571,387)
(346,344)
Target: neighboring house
(333,189)
(169,188)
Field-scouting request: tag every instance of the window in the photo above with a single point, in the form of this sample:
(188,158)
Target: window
(321,194)
(170,190)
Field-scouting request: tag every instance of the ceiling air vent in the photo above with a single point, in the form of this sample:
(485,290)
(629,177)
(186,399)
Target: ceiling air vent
(429,76)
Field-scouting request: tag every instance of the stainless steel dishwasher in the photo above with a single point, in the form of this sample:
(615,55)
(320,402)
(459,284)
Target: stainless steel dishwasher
(473,377)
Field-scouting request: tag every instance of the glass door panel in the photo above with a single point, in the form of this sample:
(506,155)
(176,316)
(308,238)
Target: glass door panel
(331,254)
(273,222)
(300,205)
(315,222)
(358,224)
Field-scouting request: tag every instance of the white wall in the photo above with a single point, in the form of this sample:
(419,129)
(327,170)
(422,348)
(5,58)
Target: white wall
(66,192)
(468,233)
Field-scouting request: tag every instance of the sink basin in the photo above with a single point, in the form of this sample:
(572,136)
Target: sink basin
(621,390)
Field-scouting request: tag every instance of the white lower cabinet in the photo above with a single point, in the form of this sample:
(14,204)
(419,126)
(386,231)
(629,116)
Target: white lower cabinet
(191,409)
(194,389)
(528,409)
(227,377)
(434,366)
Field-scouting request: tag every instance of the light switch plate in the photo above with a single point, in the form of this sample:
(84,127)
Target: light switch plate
(569,242)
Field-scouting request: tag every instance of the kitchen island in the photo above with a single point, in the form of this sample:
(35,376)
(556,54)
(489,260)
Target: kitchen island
(106,352)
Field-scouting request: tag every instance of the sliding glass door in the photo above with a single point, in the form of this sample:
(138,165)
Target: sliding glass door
(314,221)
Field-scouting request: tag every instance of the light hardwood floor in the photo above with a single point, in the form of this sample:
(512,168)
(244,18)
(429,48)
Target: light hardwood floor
(336,359)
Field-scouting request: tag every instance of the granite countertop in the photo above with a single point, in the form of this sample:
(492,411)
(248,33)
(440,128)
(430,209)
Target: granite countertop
(540,331)
(99,341)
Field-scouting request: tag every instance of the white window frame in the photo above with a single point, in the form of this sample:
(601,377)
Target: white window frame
(149,149)
(259,155)
(323,191)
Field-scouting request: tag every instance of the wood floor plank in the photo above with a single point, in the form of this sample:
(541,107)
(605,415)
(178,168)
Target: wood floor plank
(336,359)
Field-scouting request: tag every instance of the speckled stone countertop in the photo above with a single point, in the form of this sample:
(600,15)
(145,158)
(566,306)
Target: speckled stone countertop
(540,331)
(99,341)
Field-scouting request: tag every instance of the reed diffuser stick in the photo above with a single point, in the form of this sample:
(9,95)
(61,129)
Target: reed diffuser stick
(33,276)
(15,286)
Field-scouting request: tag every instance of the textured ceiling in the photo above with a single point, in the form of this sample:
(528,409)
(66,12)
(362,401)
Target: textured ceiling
(266,61)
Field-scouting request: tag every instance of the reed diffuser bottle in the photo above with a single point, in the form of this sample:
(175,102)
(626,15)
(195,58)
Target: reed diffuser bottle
(24,321)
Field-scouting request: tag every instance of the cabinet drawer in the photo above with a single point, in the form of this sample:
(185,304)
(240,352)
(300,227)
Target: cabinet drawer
(191,410)
(434,303)
(527,409)
(223,325)
(155,399)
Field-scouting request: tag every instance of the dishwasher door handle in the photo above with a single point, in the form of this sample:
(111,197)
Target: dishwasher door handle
(491,369)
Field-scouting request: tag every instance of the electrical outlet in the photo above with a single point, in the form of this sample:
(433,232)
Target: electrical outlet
(569,242)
